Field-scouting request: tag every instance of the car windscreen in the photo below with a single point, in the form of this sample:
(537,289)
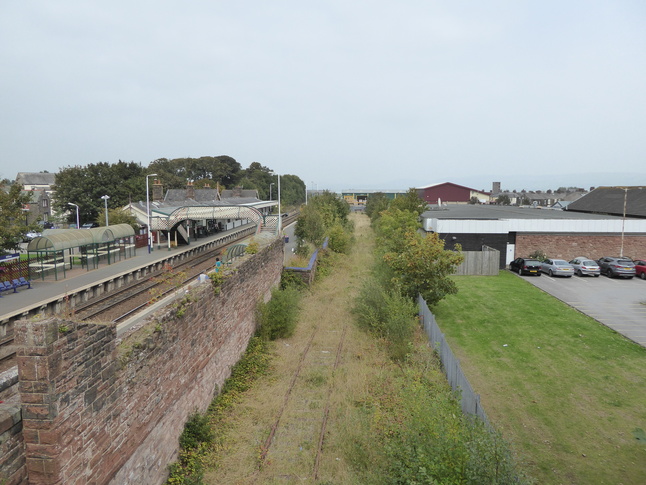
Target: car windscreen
(559,262)
(626,262)
(531,262)
(589,262)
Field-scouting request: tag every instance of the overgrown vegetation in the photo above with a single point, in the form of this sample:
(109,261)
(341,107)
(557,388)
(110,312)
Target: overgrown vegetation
(204,431)
(325,215)
(413,430)
(278,317)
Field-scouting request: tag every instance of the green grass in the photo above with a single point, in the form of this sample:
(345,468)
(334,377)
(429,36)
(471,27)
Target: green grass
(568,392)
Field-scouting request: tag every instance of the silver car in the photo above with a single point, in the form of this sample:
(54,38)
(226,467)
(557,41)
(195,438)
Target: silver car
(557,267)
(585,266)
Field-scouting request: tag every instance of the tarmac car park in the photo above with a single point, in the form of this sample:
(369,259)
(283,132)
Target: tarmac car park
(617,303)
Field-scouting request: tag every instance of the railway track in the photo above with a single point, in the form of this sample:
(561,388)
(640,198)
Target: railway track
(308,362)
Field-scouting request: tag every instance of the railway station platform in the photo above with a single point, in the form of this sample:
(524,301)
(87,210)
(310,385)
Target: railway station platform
(75,279)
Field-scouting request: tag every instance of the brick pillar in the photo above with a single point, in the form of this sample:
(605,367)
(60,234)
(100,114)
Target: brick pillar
(67,385)
(38,367)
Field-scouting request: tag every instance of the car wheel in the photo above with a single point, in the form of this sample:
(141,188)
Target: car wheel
(596,276)
(610,274)
(579,273)
(551,273)
(643,276)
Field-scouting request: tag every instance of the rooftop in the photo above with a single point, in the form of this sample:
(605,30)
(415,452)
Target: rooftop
(498,212)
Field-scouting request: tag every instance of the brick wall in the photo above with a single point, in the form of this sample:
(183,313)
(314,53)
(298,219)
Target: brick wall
(97,412)
(12,456)
(570,246)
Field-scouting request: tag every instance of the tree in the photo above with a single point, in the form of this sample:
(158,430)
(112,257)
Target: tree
(410,201)
(118,216)
(375,204)
(320,215)
(12,223)
(85,186)
(392,227)
(474,200)
(422,266)
(503,200)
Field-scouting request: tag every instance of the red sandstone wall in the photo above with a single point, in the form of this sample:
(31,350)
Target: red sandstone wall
(91,417)
(569,247)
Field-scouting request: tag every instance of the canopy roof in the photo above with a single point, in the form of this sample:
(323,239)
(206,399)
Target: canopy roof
(59,239)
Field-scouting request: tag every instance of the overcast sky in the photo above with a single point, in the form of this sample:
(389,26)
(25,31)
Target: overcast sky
(342,93)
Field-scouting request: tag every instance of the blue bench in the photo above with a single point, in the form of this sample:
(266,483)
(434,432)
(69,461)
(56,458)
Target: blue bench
(7,286)
(21,282)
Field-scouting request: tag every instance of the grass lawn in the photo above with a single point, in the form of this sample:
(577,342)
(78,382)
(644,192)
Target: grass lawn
(567,392)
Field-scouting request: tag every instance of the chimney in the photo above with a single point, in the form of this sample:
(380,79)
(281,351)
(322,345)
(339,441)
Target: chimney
(158,191)
(190,190)
(207,185)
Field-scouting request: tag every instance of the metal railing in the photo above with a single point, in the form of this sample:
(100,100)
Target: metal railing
(469,400)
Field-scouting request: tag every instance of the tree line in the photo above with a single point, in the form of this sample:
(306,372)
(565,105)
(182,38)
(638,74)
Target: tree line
(125,182)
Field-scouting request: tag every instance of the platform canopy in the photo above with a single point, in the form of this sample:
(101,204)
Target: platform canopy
(164,218)
(60,239)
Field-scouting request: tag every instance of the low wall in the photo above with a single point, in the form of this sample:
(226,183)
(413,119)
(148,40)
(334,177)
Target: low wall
(95,411)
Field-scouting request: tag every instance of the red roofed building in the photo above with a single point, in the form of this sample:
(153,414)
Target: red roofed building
(451,193)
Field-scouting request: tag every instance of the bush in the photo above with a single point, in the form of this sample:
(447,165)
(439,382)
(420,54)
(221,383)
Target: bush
(339,240)
(197,430)
(388,314)
(278,317)
(252,248)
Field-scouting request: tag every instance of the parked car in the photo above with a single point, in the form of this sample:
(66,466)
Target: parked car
(585,266)
(90,225)
(557,267)
(526,266)
(617,267)
(640,268)
(31,235)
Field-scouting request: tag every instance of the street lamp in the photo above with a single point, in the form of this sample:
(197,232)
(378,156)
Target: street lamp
(78,226)
(148,213)
(280,212)
(270,185)
(105,199)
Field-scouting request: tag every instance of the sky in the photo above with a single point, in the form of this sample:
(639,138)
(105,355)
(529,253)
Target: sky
(345,94)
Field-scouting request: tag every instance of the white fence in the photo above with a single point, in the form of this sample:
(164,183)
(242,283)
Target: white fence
(469,400)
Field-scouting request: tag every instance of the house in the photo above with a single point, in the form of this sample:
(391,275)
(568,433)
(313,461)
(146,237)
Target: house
(451,193)
(38,185)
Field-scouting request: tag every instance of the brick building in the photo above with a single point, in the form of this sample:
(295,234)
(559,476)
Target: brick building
(519,231)
(451,193)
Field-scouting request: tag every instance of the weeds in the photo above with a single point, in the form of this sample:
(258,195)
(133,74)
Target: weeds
(278,317)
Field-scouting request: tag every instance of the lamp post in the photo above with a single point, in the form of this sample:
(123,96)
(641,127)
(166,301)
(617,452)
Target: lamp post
(78,226)
(270,186)
(105,200)
(148,214)
(280,212)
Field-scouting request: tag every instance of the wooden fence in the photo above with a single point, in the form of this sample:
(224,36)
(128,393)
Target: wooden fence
(483,263)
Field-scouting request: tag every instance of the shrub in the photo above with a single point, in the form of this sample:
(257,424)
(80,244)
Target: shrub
(538,254)
(252,247)
(278,317)
(339,240)
(197,430)
(388,314)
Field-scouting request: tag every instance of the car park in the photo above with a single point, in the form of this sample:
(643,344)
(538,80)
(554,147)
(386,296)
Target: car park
(557,267)
(585,266)
(640,268)
(526,266)
(617,267)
